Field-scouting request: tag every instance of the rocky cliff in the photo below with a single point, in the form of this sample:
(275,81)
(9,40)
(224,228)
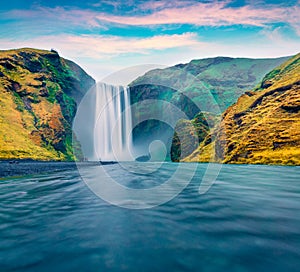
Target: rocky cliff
(263,126)
(39,92)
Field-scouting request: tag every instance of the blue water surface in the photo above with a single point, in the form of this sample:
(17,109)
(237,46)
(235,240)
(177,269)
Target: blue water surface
(249,220)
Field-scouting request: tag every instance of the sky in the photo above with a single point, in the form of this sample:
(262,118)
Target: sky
(106,36)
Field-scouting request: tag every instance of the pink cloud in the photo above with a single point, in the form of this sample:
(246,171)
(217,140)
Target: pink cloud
(211,14)
(98,46)
(107,45)
(175,12)
(100,55)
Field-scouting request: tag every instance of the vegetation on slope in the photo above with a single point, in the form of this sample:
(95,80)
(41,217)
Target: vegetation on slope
(225,78)
(263,126)
(207,85)
(38,95)
(190,133)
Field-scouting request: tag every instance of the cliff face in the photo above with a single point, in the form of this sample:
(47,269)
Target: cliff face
(209,85)
(190,133)
(39,92)
(263,126)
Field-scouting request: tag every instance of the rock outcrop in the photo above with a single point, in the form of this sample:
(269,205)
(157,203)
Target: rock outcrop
(263,127)
(39,92)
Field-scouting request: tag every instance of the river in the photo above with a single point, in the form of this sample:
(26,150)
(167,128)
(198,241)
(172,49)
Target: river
(249,220)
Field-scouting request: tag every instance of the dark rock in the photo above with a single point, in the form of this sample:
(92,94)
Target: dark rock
(27,103)
(43,92)
(266,84)
(144,158)
(291,108)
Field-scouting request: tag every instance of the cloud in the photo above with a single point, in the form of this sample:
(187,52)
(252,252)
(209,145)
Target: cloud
(160,5)
(272,42)
(102,55)
(98,46)
(114,4)
(54,16)
(212,14)
(277,38)
(164,12)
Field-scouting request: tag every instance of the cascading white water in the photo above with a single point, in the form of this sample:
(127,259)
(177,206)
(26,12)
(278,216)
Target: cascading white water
(113,126)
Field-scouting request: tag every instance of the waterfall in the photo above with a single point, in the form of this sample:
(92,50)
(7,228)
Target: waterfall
(113,124)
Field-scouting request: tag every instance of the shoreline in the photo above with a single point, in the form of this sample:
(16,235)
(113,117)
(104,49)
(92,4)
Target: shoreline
(15,168)
(22,167)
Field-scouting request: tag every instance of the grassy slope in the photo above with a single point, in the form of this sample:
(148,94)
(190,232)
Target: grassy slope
(190,133)
(37,99)
(225,78)
(211,85)
(263,126)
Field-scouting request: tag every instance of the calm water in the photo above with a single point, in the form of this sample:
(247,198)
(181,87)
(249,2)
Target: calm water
(248,221)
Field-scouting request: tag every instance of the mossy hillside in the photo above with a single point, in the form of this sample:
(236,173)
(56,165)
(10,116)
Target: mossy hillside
(225,78)
(190,133)
(263,126)
(209,85)
(39,91)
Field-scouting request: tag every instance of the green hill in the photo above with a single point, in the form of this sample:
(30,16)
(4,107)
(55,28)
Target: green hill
(39,92)
(208,85)
(226,79)
(263,126)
